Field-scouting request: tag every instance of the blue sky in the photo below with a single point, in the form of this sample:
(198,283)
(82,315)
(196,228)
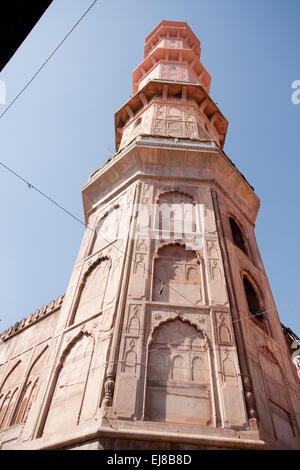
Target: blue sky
(62,129)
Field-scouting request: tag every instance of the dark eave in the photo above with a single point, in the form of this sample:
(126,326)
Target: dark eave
(17,20)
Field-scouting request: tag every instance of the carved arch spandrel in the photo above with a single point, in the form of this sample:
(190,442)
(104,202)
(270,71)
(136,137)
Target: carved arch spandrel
(178,316)
(59,373)
(167,192)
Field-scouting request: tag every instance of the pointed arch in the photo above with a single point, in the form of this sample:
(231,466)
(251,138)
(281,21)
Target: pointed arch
(106,229)
(7,406)
(9,374)
(92,290)
(238,235)
(255,302)
(8,393)
(29,389)
(69,385)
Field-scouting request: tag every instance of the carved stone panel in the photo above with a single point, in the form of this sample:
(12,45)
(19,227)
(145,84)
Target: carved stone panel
(178,376)
(134,319)
(177,277)
(233,406)
(223,330)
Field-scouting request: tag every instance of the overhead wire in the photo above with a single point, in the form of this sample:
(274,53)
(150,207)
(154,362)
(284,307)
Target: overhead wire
(31,186)
(47,60)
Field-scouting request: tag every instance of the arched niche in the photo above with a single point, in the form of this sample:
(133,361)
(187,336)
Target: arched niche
(29,389)
(255,304)
(64,409)
(237,235)
(8,394)
(180,271)
(106,229)
(275,385)
(178,375)
(175,215)
(92,290)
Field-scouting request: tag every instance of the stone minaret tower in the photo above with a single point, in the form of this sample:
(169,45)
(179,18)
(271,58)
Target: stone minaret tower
(168,336)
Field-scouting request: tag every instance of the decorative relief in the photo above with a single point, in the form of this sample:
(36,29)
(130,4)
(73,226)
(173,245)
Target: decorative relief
(250,397)
(212,249)
(217,290)
(215,271)
(139,265)
(147,193)
(141,245)
(139,126)
(108,391)
(228,368)
(134,316)
(223,331)
(178,121)
(130,356)
(209,221)
(157,317)
(201,319)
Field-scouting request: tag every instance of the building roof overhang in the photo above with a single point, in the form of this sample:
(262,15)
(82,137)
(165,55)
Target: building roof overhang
(170,89)
(18,19)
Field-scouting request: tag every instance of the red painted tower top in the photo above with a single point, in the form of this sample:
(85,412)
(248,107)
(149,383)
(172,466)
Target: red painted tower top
(171,91)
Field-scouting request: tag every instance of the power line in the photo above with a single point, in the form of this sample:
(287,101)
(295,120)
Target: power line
(31,186)
(163,282)
(47,60)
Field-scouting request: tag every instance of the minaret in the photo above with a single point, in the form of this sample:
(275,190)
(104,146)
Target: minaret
(168,335)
